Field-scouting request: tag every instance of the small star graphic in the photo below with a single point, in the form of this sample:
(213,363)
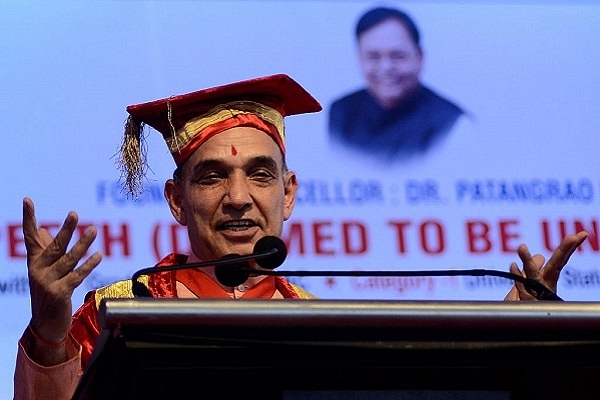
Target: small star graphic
(330,281)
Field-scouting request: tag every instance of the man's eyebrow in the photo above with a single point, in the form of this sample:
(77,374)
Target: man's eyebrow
(205,164)
(265,161)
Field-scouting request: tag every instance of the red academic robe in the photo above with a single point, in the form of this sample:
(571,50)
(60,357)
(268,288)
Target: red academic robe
(86,329)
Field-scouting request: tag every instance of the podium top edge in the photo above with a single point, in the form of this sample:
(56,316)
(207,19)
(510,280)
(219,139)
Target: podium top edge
(351,313)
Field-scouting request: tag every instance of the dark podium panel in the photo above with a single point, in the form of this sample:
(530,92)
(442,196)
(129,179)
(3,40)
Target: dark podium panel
(322,349)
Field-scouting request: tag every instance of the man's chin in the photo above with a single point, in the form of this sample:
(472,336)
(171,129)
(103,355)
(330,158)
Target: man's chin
(238,244)
(387,95)
(390,101)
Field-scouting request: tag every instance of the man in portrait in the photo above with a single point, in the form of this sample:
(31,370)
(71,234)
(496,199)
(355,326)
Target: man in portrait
(395,116)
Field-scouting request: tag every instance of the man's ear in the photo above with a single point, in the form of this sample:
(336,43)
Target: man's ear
(173,192)
(290,187)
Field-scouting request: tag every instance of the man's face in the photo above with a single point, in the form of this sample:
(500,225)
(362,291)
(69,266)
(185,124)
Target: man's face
(233,191)
(390,61)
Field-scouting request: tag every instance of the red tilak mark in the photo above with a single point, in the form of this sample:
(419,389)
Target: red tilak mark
(233,151)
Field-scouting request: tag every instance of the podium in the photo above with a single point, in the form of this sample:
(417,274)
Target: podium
(335,349)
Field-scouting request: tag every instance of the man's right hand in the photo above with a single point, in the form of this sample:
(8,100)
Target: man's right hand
(53,276)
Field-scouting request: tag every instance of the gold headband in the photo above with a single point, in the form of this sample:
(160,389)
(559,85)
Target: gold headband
(222,112)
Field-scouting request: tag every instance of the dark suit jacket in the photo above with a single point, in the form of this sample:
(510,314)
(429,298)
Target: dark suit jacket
(358,121)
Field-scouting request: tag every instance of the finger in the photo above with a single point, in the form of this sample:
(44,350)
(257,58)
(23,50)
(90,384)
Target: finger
(30,227)
(531,264)
(75,277)
(567,247)
(514,269)
(519,290)
(32,234)
(518,286)
(67,263)
(45,237)
(560,256)
(513,295)
(58,246)
(39,243)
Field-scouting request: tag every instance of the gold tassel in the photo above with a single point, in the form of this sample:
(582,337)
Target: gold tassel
(132,162)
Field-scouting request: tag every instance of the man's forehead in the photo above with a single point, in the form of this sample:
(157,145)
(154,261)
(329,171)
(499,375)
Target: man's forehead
(388,29)
(247,138)
(240,145)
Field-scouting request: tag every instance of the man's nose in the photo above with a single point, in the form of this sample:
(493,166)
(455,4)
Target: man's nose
(238,192)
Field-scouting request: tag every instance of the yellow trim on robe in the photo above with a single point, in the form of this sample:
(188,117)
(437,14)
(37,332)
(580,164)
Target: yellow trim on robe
(122,290)
(118,290)
(303,294)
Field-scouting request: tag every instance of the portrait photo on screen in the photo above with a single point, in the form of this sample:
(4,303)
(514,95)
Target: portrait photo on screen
(395,115)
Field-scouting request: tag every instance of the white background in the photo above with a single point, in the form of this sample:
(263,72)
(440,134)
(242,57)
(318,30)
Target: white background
(526,71)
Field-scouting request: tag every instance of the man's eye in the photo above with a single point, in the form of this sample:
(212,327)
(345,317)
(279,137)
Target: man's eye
(262,175)
(399,56)
(207,179)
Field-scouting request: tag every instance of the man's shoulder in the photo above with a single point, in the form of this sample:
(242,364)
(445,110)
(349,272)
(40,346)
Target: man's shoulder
(440,103)
(116,290)
(350,98)
(302,293)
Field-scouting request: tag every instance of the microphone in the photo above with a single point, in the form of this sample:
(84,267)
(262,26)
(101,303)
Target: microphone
(231,270)
(266,245)
(270,252)
(236,273)
(233,274)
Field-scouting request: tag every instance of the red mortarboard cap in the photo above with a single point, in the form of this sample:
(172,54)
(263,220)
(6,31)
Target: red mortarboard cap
(187,120)
(276,91)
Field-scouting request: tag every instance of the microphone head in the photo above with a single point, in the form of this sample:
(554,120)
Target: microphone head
(233,274)
(266,244)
